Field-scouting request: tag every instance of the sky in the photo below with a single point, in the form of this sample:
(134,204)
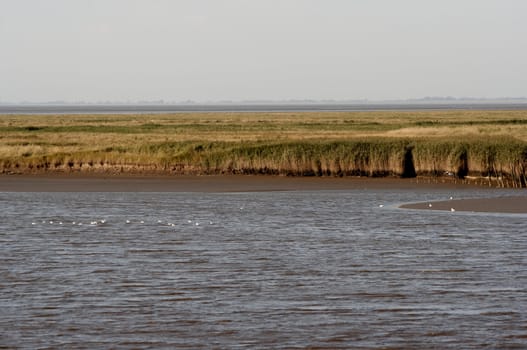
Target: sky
(215,50)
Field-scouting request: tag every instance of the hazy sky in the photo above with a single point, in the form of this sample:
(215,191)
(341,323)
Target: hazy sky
(120,50)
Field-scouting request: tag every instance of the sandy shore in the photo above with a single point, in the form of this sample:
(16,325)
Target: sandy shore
(233,183)
(511,204)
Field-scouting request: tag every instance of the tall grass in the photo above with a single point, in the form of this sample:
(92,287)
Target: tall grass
(456,144)
(503,159)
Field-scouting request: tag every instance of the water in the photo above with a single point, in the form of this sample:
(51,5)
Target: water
(258,270)
(251,107)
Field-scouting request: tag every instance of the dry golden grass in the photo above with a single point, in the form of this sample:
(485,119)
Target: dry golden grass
(260,126)
(286,143)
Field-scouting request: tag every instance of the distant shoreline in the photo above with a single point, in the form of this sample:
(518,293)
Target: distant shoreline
(254,107)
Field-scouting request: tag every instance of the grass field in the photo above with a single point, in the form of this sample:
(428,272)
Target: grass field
(490,144)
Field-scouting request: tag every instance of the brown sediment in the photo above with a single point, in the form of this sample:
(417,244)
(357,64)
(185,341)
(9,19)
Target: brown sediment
(510,204)
(81,182)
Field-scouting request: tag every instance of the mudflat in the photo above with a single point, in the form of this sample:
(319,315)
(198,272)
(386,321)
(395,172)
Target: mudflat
(187,183)
(509,204)
(240,183)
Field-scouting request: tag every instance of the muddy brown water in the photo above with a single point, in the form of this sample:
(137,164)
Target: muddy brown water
(282,270)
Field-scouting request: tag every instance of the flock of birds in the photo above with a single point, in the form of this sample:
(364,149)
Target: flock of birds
(141,222)
(103,221)
(127,222)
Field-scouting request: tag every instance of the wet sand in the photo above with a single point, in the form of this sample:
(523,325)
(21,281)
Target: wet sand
(234,183)
(225,183)
(510,204)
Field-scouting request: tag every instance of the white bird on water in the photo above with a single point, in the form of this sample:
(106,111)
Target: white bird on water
(452,209)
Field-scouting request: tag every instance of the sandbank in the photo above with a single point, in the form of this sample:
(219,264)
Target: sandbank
(243,183)
(508,204)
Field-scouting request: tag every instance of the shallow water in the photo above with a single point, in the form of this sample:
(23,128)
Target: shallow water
(259,270)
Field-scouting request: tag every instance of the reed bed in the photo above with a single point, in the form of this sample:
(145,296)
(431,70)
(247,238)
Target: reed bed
(451,144)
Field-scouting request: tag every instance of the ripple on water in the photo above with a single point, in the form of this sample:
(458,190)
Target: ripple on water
(260,270)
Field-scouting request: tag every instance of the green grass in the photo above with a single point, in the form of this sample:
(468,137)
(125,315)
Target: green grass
(490,144)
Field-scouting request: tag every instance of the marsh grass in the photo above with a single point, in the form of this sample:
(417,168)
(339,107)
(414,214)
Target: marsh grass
(491,144)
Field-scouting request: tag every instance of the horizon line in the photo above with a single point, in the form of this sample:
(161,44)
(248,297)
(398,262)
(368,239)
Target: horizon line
(160,102)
